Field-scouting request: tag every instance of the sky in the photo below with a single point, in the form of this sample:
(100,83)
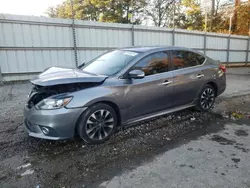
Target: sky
(27,7)
(33,7)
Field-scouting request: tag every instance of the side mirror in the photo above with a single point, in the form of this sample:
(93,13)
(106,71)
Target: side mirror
(136,74)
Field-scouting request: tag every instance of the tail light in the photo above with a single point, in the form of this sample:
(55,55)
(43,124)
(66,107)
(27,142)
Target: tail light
(223,68)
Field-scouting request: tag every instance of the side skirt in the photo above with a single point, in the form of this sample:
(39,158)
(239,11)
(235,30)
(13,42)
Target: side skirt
(160,113)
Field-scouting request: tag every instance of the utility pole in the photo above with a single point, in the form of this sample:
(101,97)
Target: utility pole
(230,25)
(249,20)
(174,15)
(212,8)
(205,21)
(235,20)
(212,15)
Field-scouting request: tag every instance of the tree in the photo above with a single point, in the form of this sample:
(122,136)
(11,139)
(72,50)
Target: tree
(242,26)
(185,14)
(79,9)
(51,12)
(120,11)
(188,15)
(159,11)
(194,17)
(178,17)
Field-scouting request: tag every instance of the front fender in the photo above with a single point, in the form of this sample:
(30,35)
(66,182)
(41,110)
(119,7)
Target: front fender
(89,96)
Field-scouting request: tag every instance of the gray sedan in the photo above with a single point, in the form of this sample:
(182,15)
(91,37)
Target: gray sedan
(120,87)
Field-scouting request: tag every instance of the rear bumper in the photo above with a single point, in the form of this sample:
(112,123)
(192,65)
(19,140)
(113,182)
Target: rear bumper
(60,123)
(221,83)
(221,90)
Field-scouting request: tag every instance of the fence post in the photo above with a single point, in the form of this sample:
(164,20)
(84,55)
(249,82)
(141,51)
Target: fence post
(228,48)
(1,77)
(205,43)
(133,34)
(173,37)
(248,41)
(74,41)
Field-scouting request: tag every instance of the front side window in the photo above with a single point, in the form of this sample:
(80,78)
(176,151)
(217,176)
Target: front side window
(153,64)
(110,63)
(184,59)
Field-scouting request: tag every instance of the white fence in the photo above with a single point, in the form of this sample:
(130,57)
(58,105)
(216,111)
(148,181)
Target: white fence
(30,44)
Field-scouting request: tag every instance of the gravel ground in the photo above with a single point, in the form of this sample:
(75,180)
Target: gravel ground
(30,162)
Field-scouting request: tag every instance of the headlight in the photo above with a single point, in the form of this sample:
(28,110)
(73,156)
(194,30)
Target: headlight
(49,104)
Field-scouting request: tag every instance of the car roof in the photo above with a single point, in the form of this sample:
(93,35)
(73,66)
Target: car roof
(148,49)
(154,48)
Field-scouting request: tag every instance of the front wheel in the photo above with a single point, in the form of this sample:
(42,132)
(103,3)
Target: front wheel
(206,98)
(97,124)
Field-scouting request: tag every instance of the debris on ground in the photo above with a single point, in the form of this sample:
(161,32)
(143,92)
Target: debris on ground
(192,118)
(23,166)
(27,172)
(237,115)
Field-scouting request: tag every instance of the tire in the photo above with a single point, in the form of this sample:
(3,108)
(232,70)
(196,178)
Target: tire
(97,124)
(206,98)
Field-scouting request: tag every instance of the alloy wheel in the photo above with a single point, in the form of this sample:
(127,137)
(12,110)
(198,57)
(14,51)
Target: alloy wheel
(207,98)
(100,124)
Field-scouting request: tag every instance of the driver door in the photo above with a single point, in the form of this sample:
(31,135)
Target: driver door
(154,92)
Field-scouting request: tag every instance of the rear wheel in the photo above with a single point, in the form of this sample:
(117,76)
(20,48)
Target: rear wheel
(97,124)
(206,98)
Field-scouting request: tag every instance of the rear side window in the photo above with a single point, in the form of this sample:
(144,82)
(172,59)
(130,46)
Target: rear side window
(154,63)
(200,58)
(184,59)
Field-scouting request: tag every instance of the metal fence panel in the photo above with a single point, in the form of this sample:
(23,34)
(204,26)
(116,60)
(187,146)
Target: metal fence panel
(238,44)
(150,38)
(218,55)
(216,42)
(189,41)
(237,57)
(96,37)
(87,55)
(29,44)
(21,61)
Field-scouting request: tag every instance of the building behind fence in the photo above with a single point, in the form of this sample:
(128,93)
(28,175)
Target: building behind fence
(30,44)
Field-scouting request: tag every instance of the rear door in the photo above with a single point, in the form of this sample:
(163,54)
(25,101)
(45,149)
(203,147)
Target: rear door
(154,92)
(188,76)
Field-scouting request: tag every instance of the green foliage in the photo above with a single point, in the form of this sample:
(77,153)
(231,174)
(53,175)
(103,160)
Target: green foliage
(193,18)
(243,22)
(184,14)
(120,11)
(160,11)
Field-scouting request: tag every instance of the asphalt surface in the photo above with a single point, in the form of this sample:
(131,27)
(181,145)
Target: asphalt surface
(183,149)
(219,159)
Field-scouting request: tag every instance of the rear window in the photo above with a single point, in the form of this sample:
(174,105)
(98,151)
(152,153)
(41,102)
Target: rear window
(184,59)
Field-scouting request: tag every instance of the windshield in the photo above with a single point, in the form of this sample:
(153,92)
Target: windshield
(110,63)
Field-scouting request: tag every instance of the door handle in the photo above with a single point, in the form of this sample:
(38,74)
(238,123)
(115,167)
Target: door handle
(166,83)
(200,75)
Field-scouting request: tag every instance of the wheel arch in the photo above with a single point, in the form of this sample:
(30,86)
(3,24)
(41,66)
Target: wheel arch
(215,86)
(110,103)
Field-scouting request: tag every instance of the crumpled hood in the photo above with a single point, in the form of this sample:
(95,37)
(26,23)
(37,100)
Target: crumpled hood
(57,75)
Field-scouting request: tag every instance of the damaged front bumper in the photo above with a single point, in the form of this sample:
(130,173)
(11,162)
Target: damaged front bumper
(52,124)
